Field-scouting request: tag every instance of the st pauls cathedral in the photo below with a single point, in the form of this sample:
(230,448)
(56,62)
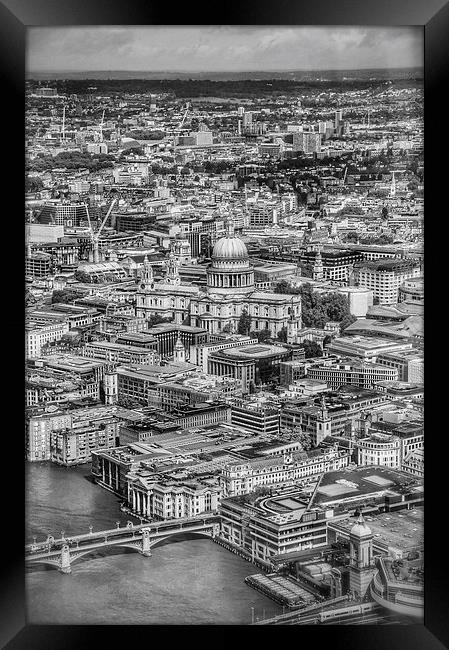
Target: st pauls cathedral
(230,292)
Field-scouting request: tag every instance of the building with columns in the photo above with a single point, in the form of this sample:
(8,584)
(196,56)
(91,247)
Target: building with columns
(165,498)
(231,291)
(167,298)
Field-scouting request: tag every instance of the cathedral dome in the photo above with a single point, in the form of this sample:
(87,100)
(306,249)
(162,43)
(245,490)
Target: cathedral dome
(229,248)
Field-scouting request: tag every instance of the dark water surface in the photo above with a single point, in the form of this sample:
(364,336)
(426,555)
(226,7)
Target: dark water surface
(192,581)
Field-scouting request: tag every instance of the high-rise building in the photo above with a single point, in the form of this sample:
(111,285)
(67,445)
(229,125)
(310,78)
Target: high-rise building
(63,214)
(247,119)
(307,142)
(338,118)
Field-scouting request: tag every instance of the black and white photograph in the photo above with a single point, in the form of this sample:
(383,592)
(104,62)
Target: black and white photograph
(224,325)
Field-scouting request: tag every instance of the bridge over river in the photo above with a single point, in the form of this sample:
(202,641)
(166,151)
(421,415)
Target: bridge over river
(62,552)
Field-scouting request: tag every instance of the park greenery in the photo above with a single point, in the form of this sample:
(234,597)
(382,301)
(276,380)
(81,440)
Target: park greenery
(70,160)
(33,184)
(319,309)
(145,134)
(64,296)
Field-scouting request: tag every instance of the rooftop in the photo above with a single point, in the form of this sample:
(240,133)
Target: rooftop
(361,483)
(366,342)
(253,351)
(390,265)
(403,530)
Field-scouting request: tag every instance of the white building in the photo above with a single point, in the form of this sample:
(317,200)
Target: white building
(38,335)
(170,499)
(231,292)
(385,277)
(242,477)
(168,298)
(379,449)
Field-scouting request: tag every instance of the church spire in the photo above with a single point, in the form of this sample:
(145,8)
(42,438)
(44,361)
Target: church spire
(393,185)
(147,278)
(179,352)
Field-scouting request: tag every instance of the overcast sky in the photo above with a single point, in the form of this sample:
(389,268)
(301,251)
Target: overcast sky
(222,48)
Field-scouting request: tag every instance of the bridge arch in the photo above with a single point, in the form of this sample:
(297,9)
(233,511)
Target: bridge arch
(53,562)
(145,540)
(78,553)
(184,533)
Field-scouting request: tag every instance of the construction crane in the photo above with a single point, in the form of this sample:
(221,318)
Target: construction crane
(95,236)
(180,125)
(63,125)
(101,127)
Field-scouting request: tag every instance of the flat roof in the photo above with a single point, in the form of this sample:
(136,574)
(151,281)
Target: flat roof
(70,362)
(361,482)
(402,529)
(142,337)
(390,264)
(253,351)
(367,342)
(117,346)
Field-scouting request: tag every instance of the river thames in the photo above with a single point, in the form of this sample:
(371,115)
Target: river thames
(192,581)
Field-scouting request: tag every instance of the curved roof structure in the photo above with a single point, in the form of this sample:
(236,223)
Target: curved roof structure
(231,248)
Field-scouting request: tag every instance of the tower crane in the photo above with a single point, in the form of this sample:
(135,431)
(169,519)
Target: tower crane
(95,236)
(180,125)
(63,125)
(101,127)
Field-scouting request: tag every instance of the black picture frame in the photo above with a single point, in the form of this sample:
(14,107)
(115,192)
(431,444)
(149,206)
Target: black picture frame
(433,15)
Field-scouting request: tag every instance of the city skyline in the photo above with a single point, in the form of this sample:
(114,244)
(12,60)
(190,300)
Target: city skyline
(225,329)
(222,48)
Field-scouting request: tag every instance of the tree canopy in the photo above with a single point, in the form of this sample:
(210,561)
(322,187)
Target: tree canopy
(155,319)
(71,160)
(261,335)
(82,276)
(244,323)
(282,335)
(319,309)
(64,296)
(312,349)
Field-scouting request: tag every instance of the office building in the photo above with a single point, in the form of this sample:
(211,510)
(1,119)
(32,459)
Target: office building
(384,277)
(244,476)
(357,373)
(307,142)
(37,335)
(255,416)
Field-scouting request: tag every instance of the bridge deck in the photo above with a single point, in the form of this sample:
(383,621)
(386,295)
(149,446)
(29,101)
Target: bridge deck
(117,536)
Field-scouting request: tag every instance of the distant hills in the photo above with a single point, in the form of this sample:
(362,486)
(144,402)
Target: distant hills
(375,74)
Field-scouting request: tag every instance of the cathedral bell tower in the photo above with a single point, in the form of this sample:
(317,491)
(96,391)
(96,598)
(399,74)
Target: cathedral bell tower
(172,270)
(146,279)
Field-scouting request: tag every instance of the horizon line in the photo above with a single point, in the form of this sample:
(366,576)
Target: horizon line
(243,71)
